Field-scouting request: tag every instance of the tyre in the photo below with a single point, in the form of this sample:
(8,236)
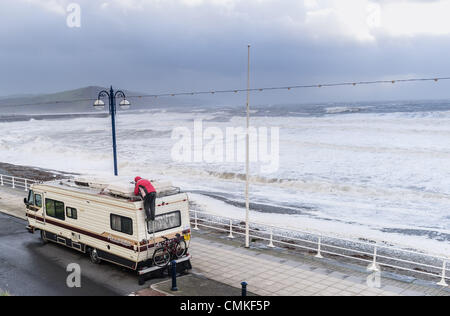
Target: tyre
(93,254)
(181,249)
(161,257)
(43,237)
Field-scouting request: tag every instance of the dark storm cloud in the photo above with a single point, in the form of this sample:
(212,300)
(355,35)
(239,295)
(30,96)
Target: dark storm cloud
(161,46)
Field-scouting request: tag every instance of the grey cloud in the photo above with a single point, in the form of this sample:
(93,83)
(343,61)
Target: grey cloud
(174,47)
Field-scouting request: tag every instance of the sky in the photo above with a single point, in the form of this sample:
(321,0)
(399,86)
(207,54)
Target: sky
(158,46)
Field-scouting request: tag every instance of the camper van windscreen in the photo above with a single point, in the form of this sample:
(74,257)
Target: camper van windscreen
(165,222)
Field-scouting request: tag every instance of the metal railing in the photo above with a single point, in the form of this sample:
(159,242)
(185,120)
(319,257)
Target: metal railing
(374,253)
(16,182)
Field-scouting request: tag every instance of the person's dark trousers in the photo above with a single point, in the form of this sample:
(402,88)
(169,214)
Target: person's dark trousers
(149,205)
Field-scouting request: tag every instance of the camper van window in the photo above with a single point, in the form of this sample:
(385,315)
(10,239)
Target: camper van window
(38,200)
(122,224)
(165,222)
(55,209)
(71,212)
(30,198)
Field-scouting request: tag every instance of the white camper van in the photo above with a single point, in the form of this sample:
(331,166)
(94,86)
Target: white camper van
(104,219)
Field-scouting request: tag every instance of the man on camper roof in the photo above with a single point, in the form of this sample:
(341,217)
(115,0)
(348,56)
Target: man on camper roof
(147,192)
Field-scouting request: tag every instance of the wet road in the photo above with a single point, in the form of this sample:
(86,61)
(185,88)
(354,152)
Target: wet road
(28,267)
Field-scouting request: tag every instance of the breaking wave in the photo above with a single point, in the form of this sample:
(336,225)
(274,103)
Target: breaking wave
(344,109)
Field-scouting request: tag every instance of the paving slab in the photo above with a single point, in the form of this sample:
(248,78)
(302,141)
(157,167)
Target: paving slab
(196,285)
(272,275)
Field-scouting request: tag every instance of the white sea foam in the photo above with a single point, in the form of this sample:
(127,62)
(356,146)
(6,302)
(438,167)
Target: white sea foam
(343,109)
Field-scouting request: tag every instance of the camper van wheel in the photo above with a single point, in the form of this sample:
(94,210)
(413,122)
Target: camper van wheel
(43,237)
(94,256)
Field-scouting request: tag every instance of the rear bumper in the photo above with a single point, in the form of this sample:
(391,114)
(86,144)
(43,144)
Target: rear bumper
(155,268)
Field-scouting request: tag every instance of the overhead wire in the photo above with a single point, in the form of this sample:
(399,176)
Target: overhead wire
(262,89)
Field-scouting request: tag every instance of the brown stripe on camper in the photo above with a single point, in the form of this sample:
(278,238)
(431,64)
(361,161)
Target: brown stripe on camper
(81,231)
(119,239)
(145,246)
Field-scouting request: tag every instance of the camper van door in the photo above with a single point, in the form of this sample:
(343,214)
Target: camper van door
(30,207)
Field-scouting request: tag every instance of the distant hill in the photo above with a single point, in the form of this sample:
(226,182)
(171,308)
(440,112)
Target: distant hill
(80,101)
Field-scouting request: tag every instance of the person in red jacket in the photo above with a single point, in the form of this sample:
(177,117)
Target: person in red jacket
(147,192)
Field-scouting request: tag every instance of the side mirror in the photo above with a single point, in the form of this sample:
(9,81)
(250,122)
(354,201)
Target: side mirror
(25,201)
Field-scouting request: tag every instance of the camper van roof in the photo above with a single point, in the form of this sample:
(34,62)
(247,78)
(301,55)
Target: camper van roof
(70,184)
(114,187)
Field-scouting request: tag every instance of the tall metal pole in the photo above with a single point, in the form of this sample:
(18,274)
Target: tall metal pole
(247,159)
(112,111)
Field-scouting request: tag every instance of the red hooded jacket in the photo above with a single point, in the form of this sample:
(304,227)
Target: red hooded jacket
(143,187)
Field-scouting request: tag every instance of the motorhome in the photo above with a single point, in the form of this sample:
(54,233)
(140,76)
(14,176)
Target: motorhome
(104,219)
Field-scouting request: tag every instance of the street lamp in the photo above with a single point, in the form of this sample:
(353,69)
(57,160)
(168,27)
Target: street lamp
(100,105)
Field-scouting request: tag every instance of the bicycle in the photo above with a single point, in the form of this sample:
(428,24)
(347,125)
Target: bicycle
(169,249)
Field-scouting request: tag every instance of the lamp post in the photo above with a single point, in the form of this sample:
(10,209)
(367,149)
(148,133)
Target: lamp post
(100,105)
(247,159)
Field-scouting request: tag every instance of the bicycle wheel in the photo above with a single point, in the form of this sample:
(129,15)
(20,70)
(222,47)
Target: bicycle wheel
(181,249)
(161,257)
